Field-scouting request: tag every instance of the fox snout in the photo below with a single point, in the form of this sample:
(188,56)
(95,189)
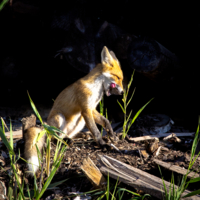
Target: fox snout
(117,90)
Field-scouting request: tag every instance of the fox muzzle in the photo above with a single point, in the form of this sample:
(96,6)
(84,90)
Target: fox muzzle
(116,90)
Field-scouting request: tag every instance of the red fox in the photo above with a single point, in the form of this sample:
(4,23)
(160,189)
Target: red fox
(76,105)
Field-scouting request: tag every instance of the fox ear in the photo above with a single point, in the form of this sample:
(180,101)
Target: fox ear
(106,56)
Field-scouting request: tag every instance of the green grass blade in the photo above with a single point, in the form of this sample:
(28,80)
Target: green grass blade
(10,189)
(48,156)
(129,116)
(57,183)
(40,135)
(194,180)
(101,105)
(192,193)
(137,114)
(108,189)
(20,197)
(113,195)
(121,106)
(131,192)
(39,155)
(36,190)
(28,191)
(131,96)
(18,183)
(48,181)
(166,193)
(175,191)
(52,131)
(106,114)
(121,195)
(145,196)
(2,123)
(5,141)
(102,196)
(194,144)
(58,146)
(3,3)
(131,80)
(11,135)
(35,109)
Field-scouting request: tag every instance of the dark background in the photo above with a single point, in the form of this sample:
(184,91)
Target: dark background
(29,43)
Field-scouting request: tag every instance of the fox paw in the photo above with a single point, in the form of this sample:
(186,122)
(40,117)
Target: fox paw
(114,138)
(104,146)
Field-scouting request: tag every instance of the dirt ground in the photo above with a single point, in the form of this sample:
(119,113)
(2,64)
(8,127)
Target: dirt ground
(178,153)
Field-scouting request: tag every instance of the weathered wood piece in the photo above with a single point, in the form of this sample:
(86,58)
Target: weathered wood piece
(175,168)
(2,190)
(150,137)
(173,135)
(136,178)
(142,138)
(93,173)
(16,134)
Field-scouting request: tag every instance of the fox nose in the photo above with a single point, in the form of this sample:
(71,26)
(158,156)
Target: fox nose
(122,92)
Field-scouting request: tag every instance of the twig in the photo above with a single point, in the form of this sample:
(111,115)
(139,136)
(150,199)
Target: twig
(141,156)
(112,145)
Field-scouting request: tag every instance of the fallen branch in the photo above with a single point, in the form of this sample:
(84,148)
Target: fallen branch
(176,168)
(151,137)
(136,178)
(142,138)
(173,135)
(16,134)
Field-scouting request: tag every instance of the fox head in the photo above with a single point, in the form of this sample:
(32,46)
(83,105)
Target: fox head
(113,75)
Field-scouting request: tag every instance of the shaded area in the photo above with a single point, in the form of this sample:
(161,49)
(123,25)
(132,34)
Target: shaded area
(33,32)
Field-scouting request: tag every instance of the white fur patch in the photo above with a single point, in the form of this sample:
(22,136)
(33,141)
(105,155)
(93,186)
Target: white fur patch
(97,91)
(108,75)
(77,128)
(33,164)
(62,122)
(70,125)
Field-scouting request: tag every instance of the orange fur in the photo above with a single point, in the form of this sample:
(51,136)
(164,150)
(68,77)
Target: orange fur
(75,106)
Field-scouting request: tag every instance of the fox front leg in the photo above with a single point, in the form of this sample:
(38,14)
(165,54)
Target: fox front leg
(101,120)
(89,120)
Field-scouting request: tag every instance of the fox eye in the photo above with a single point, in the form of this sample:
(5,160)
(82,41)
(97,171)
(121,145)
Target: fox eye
(118,77)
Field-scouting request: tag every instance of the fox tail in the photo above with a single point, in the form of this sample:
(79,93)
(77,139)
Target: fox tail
(30,150)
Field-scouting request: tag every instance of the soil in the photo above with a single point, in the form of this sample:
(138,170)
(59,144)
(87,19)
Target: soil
(177,154)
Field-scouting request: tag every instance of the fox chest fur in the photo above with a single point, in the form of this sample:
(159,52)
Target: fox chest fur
(96,89)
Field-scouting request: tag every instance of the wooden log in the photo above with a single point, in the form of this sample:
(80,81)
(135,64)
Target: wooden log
(149,57)
(16,134)
(151,137)
(175,168)
(136,178)
(27,122)
(93,173)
